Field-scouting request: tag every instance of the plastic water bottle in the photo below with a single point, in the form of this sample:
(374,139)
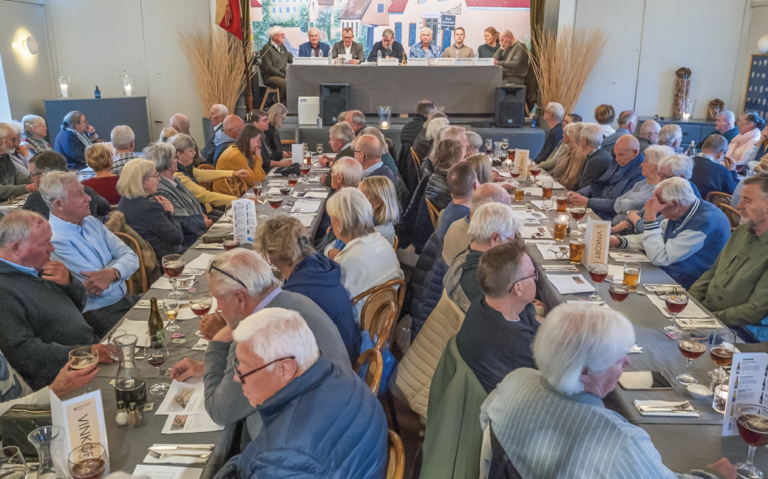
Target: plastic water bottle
(378,56)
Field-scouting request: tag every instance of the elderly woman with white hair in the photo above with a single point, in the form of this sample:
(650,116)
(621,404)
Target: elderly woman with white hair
(367,258)
(671,136)
(635,198)
(75,135)
(35,131)
(688,240)
(425,48)
(12,181)
(581,353)
(20,155)
(568,166)
(749,126)
(186,208)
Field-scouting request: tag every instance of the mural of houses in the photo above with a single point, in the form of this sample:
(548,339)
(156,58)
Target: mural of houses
(368,18)
(256,13)
(323,9)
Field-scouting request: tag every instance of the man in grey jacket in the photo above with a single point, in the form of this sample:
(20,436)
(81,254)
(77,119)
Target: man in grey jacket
(513,58)
(243,284)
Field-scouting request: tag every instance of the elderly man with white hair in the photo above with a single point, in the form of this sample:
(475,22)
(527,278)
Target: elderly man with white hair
(513,57)
(216,115)
(671,136)
(21,154)
(124,141)
(627,124)
(341,136)
(597,160)
(581,352)
(243,284)
(12,181)
(95,256)
(687,241)
(425,48)
(275,58)
(320,419)
(553,115)
(648,134)
(725,125)
(351,50)
(314,47)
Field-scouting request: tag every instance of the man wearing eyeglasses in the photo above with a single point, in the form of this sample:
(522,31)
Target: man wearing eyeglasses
(498,331)
(243,284)
(320,419)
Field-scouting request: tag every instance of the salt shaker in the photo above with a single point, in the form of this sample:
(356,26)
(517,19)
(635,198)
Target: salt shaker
(121,418)
(135,419)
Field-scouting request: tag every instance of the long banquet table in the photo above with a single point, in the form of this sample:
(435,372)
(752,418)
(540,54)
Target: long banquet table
(128,446)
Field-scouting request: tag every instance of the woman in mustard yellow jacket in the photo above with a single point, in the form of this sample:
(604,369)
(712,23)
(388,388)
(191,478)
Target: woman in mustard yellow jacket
(243,155)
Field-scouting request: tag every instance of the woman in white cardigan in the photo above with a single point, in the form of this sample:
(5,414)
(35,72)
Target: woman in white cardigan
(367,259)
(749,125)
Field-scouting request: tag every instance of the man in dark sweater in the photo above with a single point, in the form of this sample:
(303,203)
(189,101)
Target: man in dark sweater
(411,130)
(725,125)
(498,331)
(12,181)
(553,115)
(598,160)
(710,172)
(274,61)
(41,301)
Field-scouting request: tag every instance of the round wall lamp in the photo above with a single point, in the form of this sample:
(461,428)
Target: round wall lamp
(30,45)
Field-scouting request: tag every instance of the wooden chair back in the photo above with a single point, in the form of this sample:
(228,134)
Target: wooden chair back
(380,322)
(266,94)
(396,460)
(417,163)
(141,273)
(393,290)
(371,357)
(718,198)
(433,212)
(208,185)
(733,215)
(236,185)
(396,243)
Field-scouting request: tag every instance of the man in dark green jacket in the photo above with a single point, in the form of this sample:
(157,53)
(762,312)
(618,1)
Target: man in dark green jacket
(274,61)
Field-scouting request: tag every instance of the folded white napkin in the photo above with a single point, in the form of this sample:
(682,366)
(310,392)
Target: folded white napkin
(687,412)
(179,459)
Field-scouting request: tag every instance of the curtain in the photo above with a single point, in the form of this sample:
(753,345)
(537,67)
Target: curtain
(537,25)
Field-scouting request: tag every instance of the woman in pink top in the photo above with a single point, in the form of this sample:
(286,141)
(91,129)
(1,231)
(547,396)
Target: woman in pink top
(749,126)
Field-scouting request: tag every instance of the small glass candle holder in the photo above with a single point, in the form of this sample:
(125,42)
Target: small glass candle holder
(64,82)
(720,398)
(129,84)
(385,117)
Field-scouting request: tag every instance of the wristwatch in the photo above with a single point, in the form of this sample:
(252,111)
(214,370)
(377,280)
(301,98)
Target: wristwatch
(118,276)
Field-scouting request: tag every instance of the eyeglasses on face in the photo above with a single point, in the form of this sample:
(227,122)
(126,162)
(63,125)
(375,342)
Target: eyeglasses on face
(243,376)
(213,267)
(535,277)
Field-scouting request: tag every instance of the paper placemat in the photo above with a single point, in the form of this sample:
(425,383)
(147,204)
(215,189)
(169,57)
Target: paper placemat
(691,311)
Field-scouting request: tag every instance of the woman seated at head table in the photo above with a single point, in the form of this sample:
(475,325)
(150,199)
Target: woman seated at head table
(486,50)
(271,154)
(244,154)
(35,131)
(386,213)
(284,242)
(148,213)
(99,157)
(75,135)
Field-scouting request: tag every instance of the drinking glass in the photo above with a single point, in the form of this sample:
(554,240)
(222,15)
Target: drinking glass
(157,353)
(753,429)
(319,148)
(576,248)
(619,290)
(275,201)
(577,213)
(535,170)
(676,301)
(258,188)
(562,204)
(82,356)
(546,186)
(230,243)
(171,305)
(505,143)
(632,275)
(173,266)
(12,463)
(692,343)
(515,172)
(112,348)
(200,303)
(88,461)
(598,272)
(547,203)
(723,346)
(488,146)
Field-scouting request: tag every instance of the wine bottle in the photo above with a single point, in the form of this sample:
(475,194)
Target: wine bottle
(155,320)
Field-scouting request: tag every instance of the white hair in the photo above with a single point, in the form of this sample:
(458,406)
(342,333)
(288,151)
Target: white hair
(593,134)
(576,337)
(274,30)
(245,265)
(122,136)
(556,109)
(729,115)
(161,154)
(342,131)
(681,165)
(493,218)
(649,126)
(54,184)
(350,169)
(221,109)
(453,133)
(475,140)
(275,333)
(5,130)
(655,153)
(677,189)
(29,122)
(16,227)
(353,210)
(425,29)
(434,128)
(670,135)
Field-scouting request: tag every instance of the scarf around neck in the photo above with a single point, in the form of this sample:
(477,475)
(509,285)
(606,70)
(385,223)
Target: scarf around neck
(82,137)
(38,144)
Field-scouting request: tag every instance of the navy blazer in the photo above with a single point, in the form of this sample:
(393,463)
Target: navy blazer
(69,145)
(708,176)
(305,49)
(397,51)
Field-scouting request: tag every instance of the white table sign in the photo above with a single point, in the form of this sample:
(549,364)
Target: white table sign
(484,62)
(422,62)
(596,242)
(82,418)
(388,62)
(445,62)
(464,62)
(244,220)
(749,378)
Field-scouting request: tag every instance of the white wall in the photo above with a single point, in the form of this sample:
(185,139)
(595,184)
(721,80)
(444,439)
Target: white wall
(97,41)
(649,40)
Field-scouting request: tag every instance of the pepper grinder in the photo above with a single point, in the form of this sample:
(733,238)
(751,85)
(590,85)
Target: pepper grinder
(135,419)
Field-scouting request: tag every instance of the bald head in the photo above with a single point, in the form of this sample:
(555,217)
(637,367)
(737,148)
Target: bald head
(627,148)
(650,130)
(369,147)
(180,123)
(489,193)
(232,126)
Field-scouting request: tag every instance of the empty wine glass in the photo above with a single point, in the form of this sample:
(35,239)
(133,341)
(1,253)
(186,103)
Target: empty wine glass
(692,344)
(88,461)
(12,463)
(157,353)
(171,305)
(548,203)
(752,424)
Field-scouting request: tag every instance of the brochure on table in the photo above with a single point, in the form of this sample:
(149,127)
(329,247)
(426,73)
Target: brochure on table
(297,152)
(244,220)
(596,241)
(749,378)
(82,418)
(522,163)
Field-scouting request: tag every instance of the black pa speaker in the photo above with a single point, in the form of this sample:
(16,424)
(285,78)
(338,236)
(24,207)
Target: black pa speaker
(334,99)
(509,108)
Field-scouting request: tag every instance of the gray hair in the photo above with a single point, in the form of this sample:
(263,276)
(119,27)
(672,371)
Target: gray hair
(122,136)
(29,122)
(556,109)
(493,218)
(245,265)
(16,126)
(357,117)
(453,133)
(16,227)
(425,29)
(5,130)
(575,131)
(715,144)
(670,134)
(627,117)
(161,154)
(182,142)
(574,338)
(274,30)
(387,33)
(342,131)
(275,333)
(593,134)
(434,127)
(680,165)
(54,184)
(353,210)
(649,126)
(655,153)
(350,169)
(729,115)
(71,119)
(677,189)
(220,109)
(475,140)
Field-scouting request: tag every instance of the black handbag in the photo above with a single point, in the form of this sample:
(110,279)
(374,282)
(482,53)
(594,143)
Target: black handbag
(19,421)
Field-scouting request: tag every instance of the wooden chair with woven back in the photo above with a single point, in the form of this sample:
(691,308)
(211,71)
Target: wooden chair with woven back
(208,185)
(396,459)
(718,198)
(416,163)
(733,215)
(372,358)
(433,213)
(236,186)
(393,290)
(137,284)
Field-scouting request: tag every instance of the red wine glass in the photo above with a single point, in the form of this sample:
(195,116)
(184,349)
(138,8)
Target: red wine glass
(752,424)
(692,343)
(598,272)
(156,353)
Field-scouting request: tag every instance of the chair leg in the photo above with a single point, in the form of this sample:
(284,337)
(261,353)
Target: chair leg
(393,413)
(264,100)
(278,95)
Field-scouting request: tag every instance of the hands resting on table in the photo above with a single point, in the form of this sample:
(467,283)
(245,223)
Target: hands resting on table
(212,327)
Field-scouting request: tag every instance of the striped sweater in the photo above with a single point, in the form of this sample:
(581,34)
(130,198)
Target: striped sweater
(548,435)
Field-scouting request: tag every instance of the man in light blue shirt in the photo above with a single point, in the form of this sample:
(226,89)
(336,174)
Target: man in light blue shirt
(95,256)
(425,49)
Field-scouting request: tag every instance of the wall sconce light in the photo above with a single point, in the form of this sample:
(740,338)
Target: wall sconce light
(129,84)
(30,45)
(64,82)
(762,44)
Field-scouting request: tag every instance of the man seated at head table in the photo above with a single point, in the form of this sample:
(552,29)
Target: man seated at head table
(648,134)
(553,115)
(314,47)
(13,183)
(498,330)
(243,284)
(352,51)
(689,238)
(42,302)
(735,289)
(620,177)
(275,58)
(458,49)
(425,48)
(96,257)
(388,47)
(513,58)
(320,419)
(581,353)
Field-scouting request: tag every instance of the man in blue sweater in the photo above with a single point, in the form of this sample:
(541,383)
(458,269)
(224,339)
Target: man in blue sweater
(687,241)
(712,171)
